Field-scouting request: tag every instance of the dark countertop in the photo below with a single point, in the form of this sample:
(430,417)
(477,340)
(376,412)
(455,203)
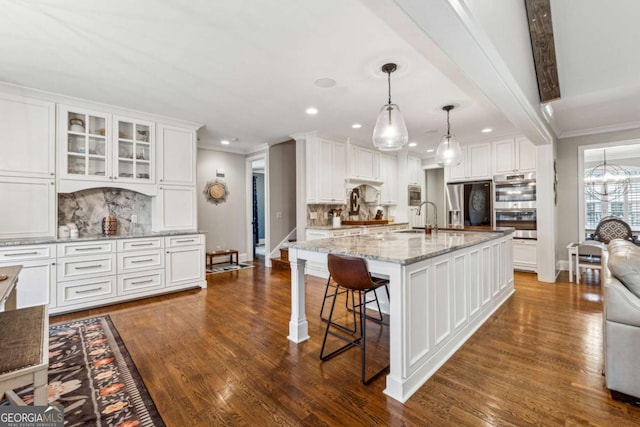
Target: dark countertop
(51,240)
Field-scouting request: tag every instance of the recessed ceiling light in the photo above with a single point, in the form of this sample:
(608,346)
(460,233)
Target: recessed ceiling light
(412,144)
(224,142)
(486,130)
(312,110)
(325,82)
(430,150)
(356,125)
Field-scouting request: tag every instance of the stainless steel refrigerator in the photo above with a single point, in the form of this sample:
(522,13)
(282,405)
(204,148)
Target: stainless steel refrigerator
(469,203)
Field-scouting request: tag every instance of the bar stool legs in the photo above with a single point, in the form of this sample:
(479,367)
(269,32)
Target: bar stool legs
(358,341)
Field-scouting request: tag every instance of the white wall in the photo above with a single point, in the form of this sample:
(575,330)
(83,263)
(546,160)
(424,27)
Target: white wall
(282,191)
(224,223)
(567,166)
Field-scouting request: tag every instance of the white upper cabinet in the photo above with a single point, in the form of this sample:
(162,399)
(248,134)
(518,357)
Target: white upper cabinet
(326,171)
(176,155)
(29,209)
(389,176)
(97,149)
(364,163)
(134,154)
(415,174)
(475,164)
(514,155)
(27,137)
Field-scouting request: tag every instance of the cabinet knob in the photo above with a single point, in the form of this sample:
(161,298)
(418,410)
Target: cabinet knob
(115,177)
(52,174)
(160,188)
(52,183)
(160,180)
(110,177)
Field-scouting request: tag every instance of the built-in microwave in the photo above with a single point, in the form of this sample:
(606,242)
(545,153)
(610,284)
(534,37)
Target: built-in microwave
(415,195)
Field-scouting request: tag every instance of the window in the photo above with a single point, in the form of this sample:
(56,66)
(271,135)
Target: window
(625,206)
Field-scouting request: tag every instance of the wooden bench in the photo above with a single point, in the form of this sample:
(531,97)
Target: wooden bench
(24,360)
(227,252)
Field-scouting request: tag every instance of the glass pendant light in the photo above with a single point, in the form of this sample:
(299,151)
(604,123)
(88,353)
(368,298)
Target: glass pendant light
(449,152)
(390,132)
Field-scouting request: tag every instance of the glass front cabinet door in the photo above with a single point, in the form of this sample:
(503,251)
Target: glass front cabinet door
(86,151)
(101,147)
(134,150)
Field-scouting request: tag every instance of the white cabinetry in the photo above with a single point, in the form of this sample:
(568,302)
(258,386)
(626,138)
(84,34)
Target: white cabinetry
(184,260)
(140,266)
(86,273)
(389,177)
(363,163)
(36,284)
(27,135)
(415,174)
(28,208)
(175,207)
(176,155)
(326,171)
(97,149)
(514,155)
(27,167)
(475,164)
(525,254)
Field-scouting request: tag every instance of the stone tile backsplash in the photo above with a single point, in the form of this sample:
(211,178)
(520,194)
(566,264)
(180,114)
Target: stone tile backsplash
(87,208)
(367,212)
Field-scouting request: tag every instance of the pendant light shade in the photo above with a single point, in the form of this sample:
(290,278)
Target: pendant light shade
(449,152)
(390,132)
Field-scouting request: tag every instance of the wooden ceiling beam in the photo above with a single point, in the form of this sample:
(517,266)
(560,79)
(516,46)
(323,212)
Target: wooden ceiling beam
(544,52)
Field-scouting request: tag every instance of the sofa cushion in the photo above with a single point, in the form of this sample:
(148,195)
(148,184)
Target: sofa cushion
(624,264)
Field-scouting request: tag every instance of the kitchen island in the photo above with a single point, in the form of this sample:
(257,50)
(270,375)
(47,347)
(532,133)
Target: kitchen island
(443,287)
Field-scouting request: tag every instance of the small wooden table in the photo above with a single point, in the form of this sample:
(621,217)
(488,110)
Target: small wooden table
(231,252)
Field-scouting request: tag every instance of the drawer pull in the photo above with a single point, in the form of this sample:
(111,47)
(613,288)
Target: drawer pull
(85,267)
(185,241)
(142,281)
(84,291)
(22,253)
(93,248)
(142,244)
(136,261)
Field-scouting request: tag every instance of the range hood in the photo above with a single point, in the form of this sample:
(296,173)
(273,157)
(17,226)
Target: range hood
(355,181)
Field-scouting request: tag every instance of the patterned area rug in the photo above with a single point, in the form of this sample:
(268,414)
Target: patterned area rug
(221,268)
(92,375)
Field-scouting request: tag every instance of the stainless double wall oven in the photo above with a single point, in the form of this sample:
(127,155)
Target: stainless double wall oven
(515,203)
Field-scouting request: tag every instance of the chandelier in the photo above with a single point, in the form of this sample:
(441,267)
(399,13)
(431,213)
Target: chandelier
(606,181)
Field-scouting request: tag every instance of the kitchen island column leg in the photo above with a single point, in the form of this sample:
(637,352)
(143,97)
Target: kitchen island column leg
(298,325)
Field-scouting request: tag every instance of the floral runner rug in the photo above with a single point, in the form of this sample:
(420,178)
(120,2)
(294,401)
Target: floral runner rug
(93,377)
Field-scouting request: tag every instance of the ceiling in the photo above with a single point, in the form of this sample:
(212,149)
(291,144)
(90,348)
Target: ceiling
(246,69)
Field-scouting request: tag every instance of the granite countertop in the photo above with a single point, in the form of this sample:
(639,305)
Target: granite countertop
(89,238)
(398,247)
(480,228)
(344,227)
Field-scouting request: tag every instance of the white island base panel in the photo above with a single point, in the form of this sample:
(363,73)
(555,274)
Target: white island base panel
(435,305)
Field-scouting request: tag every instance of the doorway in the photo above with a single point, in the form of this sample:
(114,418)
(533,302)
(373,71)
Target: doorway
(257,220)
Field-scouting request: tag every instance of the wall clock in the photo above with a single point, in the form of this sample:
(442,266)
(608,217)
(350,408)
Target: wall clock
(216,192)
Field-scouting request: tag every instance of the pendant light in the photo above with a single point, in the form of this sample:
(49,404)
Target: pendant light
(390,132)
(449,152)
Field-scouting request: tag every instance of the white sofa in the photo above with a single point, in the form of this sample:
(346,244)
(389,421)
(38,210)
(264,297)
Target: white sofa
(621,274)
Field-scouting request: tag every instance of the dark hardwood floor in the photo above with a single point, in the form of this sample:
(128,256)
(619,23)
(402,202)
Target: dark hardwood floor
(220,356)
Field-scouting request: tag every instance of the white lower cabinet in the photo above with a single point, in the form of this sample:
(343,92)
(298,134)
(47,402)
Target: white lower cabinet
(184,260)
(37,280)
(108,271)
(525,255)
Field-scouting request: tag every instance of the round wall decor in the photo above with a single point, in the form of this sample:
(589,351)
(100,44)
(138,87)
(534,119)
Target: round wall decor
(216,192)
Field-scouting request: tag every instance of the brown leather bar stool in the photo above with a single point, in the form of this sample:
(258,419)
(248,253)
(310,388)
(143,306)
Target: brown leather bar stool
(352,274)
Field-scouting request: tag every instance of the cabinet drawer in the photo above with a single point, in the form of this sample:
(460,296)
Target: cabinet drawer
(130,245)
(19,253)
(132,283)
(188,240)
(85,267)
(86,248)
(87,290)
(139,261)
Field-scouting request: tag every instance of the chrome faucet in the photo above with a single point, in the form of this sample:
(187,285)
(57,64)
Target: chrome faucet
(435,212)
